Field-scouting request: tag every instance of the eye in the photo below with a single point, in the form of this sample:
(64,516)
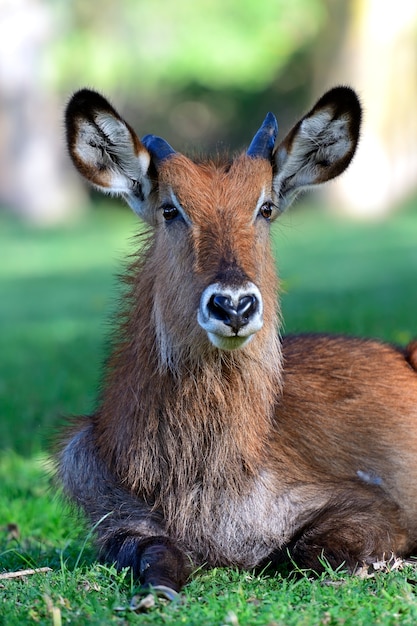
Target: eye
(266,210)
(170,212)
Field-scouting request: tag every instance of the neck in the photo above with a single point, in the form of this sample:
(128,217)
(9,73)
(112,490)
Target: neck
(202,418)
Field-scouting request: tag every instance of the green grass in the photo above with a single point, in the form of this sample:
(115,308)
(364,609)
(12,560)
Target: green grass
(57,292)
(341,276)
(56,288)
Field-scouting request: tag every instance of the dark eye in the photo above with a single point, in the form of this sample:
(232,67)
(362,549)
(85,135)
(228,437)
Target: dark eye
(170,212)
(266,210)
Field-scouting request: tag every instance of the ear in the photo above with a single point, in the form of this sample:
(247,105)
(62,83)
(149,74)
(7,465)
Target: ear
(320,146)
(105,149)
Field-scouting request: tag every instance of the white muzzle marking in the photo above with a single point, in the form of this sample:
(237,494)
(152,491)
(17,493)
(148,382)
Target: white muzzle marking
(230,315)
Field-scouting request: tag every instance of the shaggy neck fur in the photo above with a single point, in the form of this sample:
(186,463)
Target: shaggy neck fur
(195,428)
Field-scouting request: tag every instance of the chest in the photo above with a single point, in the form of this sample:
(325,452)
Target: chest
(243,531)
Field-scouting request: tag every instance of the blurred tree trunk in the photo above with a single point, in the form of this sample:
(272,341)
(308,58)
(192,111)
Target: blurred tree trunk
(35,180)
(376,52)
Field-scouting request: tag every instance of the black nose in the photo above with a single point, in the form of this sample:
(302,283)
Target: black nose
(222,308)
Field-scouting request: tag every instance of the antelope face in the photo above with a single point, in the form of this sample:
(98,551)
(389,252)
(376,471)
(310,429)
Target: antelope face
(223,212)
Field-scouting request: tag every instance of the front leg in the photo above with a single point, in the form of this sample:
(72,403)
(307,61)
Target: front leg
(129,532)
(155,561)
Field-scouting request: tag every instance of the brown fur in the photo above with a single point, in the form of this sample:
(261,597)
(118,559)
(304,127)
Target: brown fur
(198,455)
(411,354)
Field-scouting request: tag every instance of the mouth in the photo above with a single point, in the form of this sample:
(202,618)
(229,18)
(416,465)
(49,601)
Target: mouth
(234,342)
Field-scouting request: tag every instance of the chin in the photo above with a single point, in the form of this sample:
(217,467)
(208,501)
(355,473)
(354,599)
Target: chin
(229,343)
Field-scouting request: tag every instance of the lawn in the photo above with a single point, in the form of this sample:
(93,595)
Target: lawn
(57,293)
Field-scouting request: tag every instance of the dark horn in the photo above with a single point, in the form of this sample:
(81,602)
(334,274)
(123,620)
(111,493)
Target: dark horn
(158,147)
(263,143)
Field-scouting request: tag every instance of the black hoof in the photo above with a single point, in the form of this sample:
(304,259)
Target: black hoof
(155,561)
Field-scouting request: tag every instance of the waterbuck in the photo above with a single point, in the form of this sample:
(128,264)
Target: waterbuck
(215,442)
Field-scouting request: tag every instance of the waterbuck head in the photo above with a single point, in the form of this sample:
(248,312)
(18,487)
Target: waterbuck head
(213,282)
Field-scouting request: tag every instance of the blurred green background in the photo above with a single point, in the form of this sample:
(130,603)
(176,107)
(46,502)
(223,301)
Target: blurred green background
(203,75)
